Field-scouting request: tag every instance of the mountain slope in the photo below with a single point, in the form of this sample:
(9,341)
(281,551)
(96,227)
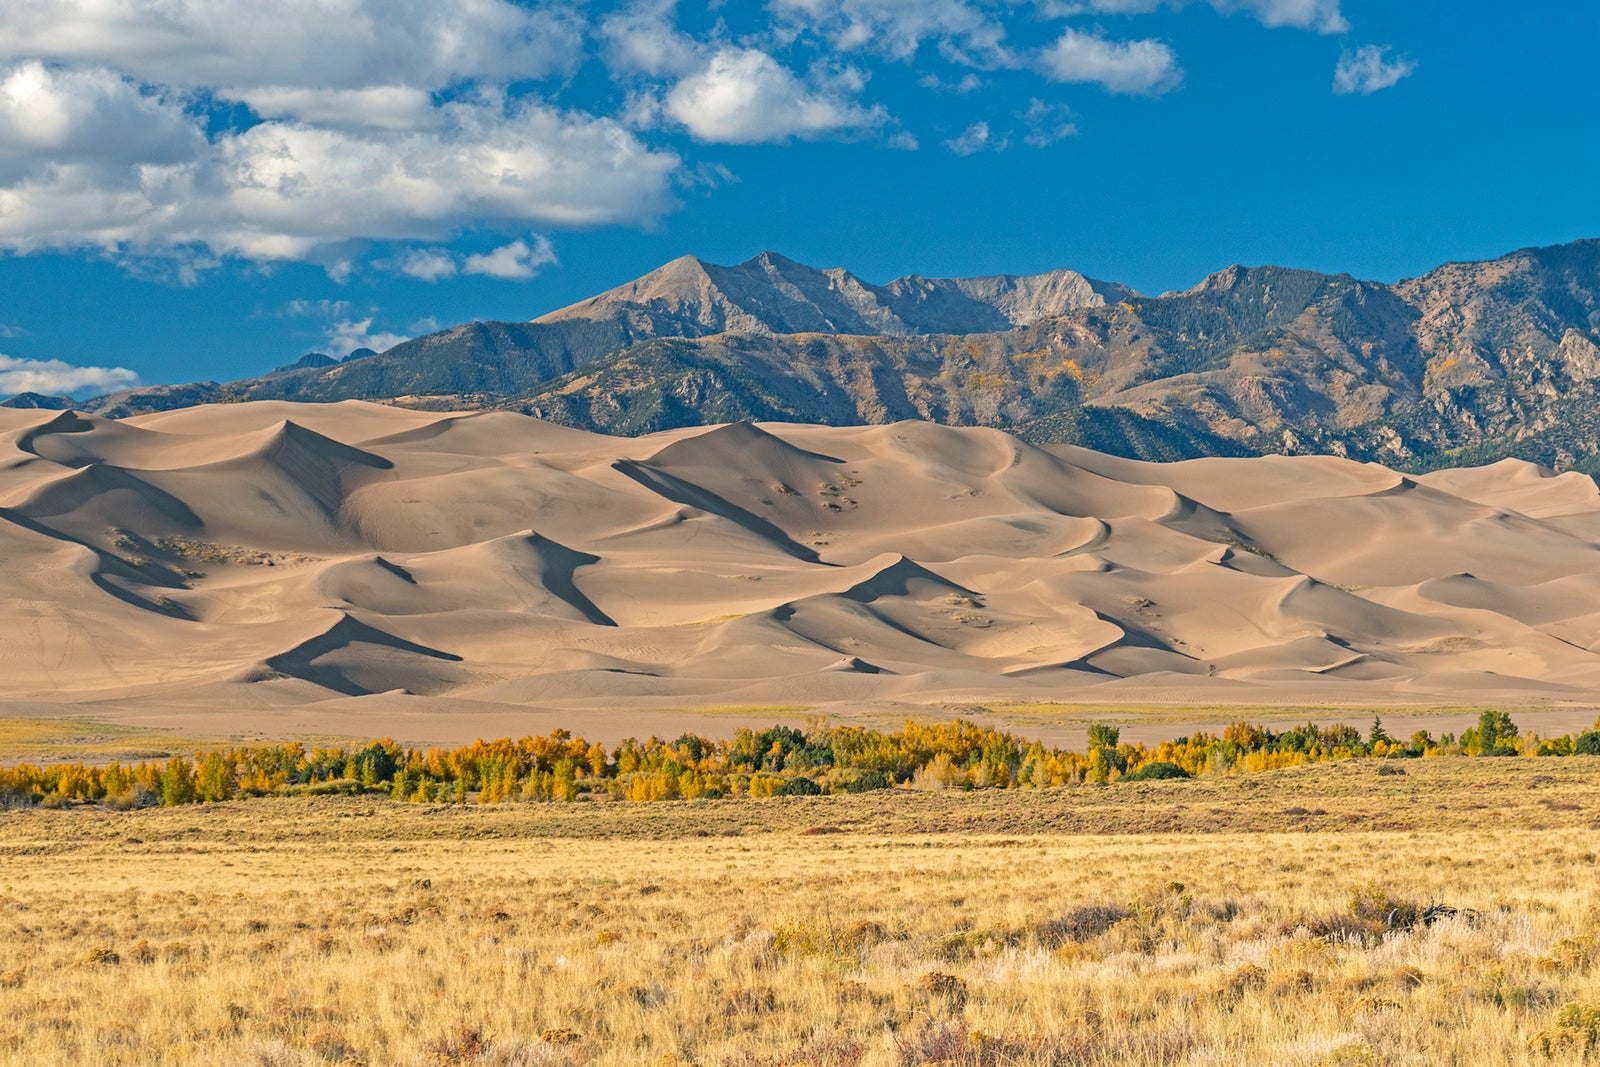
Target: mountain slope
(476,363)
(1470,362)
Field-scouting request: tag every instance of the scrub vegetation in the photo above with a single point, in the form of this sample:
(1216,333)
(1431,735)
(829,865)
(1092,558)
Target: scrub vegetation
(1354,911)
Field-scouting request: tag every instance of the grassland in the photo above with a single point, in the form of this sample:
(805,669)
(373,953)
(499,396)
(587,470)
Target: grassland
(1271,918)
(24,738)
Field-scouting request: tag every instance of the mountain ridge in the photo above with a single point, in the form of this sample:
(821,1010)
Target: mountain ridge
(773,294)
(1470,362)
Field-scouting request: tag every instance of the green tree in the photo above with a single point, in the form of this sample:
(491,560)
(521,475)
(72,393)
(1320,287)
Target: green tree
(177,782)
(1497,734)
(1103,755)
(1103,735)
(215,779)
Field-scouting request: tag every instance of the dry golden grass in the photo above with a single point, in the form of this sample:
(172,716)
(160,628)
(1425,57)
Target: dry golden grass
(1218,921)
(69,740)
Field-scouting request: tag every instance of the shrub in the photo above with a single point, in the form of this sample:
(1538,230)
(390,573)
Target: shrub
(1370,914)
(945,987)
(945,1040)
(800,786)
(939,773)
(865,782)
(1575,1031)
(1159,770)
(1588,743)
(801,938)
(337,787)
(463,1044)
(1083,923)
(559,1035)
(936,1041)
(1374,907)
(1569,954)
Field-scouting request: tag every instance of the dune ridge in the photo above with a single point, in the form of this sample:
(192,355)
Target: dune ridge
(273,555)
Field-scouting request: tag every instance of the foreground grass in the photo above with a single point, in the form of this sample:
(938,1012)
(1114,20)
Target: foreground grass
(1263,919)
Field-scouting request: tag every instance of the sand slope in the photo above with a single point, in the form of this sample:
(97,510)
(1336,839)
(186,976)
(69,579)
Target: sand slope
(273,555)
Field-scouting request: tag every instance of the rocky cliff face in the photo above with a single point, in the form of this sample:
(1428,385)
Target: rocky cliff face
(774,295)
(1468,363)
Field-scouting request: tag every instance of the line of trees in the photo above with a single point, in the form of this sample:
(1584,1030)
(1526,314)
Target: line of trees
(777,761)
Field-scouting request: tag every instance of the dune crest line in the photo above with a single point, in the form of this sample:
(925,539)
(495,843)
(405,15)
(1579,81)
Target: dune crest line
(279,554)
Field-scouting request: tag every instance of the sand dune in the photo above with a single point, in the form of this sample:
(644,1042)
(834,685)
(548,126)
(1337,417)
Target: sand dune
(275,556)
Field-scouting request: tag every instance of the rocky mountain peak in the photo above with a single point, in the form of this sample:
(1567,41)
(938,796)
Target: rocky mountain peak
(1468,363)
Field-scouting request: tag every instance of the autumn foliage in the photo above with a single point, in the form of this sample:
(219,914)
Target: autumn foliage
(777,761)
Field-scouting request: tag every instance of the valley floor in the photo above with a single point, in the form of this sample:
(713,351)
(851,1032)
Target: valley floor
(1276,918)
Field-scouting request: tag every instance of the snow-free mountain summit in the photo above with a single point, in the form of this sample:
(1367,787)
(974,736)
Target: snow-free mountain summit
(1470,362)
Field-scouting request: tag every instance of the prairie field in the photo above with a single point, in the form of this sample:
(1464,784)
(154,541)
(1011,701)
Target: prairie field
(1349,912)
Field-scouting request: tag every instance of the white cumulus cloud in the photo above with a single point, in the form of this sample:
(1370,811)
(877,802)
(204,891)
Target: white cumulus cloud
(1146,67)
(428,264)
(287,190)
(1047,123)
(645,38)
(517,261)
(1323,16)
(347,335)
(52,376)
(324,44)
(176,135)
(343,328)
(389,106)
(974,139)
(968,31)
(51,118)
(316,309)
(744,96)
(371,121)
(1369,69)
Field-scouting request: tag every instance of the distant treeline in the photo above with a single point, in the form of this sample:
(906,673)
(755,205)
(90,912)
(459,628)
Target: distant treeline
(779,761)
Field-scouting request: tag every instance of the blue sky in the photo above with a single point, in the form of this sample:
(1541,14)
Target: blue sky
(198,189)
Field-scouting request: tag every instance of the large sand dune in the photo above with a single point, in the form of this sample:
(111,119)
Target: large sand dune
(278,556)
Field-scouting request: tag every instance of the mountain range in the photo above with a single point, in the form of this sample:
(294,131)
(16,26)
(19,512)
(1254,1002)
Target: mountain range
(1469,363)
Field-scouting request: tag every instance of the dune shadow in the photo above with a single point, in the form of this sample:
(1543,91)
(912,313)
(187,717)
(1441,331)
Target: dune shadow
(300,661)
(561,564)
(153,574)
(679,491)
